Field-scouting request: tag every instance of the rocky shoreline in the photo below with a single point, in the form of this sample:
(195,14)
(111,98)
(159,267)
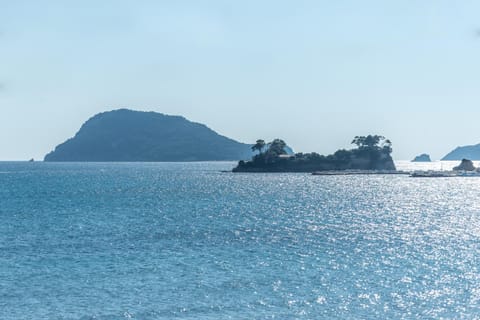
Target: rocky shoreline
(359,172)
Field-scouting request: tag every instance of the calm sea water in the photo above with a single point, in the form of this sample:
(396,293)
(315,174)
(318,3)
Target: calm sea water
(185,241)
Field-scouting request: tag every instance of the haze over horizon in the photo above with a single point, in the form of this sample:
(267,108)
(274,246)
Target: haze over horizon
(314,73)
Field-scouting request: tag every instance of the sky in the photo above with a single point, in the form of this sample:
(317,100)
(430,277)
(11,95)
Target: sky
(314,73)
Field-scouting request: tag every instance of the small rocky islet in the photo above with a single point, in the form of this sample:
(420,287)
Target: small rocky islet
(422,158)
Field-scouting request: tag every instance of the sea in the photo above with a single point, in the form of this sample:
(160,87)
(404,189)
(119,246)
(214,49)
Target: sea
(106,241)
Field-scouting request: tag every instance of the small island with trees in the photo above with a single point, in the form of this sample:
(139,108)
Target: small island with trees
(372,154)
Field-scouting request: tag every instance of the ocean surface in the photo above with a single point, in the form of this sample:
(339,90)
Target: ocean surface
(109,241)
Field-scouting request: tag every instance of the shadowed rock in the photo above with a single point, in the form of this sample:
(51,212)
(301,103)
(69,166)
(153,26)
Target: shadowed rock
(465,165)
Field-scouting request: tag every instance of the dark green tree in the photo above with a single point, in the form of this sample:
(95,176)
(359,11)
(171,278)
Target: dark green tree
(342,155)
(371,141)
(259,145)
(277,147)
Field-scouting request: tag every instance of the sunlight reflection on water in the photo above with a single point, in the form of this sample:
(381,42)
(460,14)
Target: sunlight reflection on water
(162,241)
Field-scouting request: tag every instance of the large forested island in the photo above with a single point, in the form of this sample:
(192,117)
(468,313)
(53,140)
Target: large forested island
(127,135)
(372,152)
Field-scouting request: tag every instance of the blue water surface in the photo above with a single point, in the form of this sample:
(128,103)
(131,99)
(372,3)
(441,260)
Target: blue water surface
(85,241)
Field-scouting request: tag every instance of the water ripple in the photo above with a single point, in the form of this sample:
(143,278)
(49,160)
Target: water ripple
(185,241)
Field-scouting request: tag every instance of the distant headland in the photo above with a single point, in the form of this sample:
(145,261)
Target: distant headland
(127,135)
(465,152)
(372,152)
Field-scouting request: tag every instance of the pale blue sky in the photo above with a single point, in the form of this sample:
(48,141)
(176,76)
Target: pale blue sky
(315,73)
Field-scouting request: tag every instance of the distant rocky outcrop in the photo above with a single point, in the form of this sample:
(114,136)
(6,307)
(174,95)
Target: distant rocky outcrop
(465,165)
(422,158)
(127,135)
(466,152)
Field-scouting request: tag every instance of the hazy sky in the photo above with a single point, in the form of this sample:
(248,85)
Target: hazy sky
(315,73)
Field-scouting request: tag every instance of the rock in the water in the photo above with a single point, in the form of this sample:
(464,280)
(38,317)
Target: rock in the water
(465,165)
(422,158)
